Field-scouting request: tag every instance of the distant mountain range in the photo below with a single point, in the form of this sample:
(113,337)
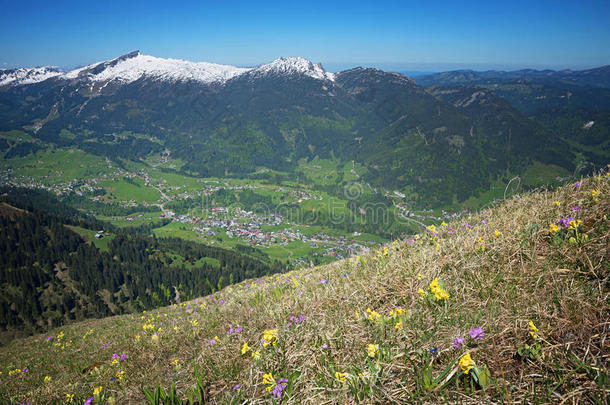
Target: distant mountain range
(440,144)
(598,77)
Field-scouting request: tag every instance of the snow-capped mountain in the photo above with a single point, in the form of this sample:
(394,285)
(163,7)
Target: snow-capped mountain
(134,66)
(27,75)
(293,66)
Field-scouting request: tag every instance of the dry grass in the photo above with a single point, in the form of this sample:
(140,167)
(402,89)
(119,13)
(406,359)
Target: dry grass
(498,283)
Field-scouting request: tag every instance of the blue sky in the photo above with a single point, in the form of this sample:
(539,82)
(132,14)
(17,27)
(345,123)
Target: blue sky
(395,35)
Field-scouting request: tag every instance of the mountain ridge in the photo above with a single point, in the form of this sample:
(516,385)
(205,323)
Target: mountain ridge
(135,65)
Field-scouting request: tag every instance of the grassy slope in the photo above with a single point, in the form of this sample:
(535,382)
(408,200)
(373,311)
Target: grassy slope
(498,283)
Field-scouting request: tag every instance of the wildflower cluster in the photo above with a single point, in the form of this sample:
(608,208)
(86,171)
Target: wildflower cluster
(475,334)
(438,291)
(270,337)
(295,320)
(275,387)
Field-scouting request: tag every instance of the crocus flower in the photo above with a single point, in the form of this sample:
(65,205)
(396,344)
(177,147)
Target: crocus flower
(279,387)
(477,333)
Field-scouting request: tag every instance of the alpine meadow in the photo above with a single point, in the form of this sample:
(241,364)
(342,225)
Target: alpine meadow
(421,217)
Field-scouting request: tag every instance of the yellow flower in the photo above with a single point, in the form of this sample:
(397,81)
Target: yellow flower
(155,338)
(438,291)
(466,363)
(69,398)
(594,193)
(372,350)
(374,315)
(497,233)
(341,376)
(441,294)
(269,381)
(553,228)
(270,337)
(256,355)
(443,223)
(557,203)
(533,330)
(115,362)
(245,348)
(46,379)
(398,326)
(120,374)
(431,228)
(97,391)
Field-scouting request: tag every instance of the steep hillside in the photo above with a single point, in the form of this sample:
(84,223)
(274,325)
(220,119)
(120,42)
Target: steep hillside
(510,305)
(58,266)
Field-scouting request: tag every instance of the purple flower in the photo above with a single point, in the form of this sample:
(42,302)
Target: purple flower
(457,343)
(212,342)
(577,208)
(238,329)
(230,331)
(323,281)
(577,185)
(566,221)
(48,338)
(324,346)
(114,356)
(434,350)
(107,344)
(477,333)
(236,387)
(89,401)
(124,356)
(279,387)
(25,370)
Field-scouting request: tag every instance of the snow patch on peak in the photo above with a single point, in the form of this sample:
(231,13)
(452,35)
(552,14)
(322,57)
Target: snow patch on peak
(20,76)
(133,66)
(292,66)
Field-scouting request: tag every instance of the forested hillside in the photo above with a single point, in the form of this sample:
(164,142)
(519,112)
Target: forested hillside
(51,274)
